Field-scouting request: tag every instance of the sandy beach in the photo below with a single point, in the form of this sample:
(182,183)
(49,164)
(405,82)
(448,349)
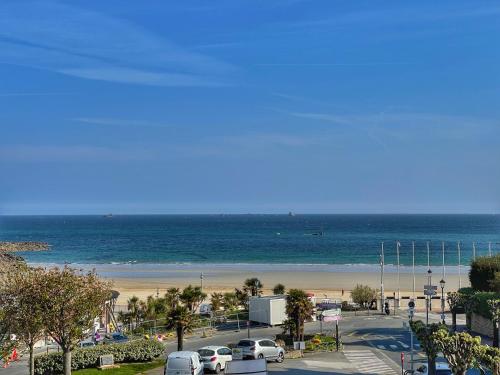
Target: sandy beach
(329,281)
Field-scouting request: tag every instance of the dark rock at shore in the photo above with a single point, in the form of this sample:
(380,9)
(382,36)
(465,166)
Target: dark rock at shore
(7,246)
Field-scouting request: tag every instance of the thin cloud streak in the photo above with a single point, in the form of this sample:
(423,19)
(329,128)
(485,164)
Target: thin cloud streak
(91,45)
(119,122)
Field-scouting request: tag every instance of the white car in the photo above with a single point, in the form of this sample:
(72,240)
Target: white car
(442,368)
(184,363)
(215,357)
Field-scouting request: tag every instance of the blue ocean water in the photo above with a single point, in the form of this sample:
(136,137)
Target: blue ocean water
(267,239)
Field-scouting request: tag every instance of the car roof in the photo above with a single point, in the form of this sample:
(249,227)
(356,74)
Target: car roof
(257,339)
(214,347)
(183,354)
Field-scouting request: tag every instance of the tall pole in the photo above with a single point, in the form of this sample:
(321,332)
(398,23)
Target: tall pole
(382,278)
(442,250)
(413,266)
(473,251)
(398,244)
(459,265)
(428,299)
(429,269)
(489,248)
(201,281)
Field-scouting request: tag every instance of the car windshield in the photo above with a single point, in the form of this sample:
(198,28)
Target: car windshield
(206,352)
(246,343)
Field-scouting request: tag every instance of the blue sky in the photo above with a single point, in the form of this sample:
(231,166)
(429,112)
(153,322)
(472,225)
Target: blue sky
(249,106)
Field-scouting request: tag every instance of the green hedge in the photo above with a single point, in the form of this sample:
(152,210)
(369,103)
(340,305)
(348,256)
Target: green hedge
(137,351)
(481,306)
(482,272)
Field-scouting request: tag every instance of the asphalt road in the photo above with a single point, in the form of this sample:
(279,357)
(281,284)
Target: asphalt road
(372,345)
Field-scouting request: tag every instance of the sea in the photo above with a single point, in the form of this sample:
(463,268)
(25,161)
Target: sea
(266,240)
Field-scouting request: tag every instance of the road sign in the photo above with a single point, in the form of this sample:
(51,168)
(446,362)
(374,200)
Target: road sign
(430,292)
(430,287)
(299,345)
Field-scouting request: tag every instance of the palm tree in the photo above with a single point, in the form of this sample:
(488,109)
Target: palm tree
(172,298)
(299,309)
(279,289)
(182,319)
(133,307)
(241,297)
(192,297)
(230,301)
(253,286)
(217,300)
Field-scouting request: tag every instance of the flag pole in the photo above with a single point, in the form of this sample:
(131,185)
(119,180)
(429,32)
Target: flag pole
(444,270)
(382,278)
(459,264)
(398,244)
(473,251)
(413,266)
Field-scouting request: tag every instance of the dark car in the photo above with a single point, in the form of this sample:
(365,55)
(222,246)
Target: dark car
(115,338)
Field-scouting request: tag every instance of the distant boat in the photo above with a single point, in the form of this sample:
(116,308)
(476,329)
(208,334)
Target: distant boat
(291,213)
(108,215)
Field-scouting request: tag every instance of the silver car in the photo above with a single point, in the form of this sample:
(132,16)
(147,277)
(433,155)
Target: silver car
(261,349)
(214,358)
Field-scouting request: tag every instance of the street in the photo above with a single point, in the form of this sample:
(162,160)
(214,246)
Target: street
(372,345)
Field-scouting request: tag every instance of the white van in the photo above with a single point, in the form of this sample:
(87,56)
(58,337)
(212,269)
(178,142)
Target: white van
(184,363)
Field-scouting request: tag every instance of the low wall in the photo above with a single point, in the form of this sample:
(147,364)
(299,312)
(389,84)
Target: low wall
(482,325)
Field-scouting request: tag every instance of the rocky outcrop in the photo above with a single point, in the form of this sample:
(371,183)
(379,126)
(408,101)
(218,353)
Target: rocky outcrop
(6,246)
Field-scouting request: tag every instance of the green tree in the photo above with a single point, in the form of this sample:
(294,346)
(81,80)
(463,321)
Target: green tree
(363,295)
(482,272)
(6,344)
(253,287)
(172,298)
(279,289)
(217,301)
(134,309)
(182,319)
(299,310)
(489,359)
(71,301)
(22,309)
(242,297)
(494,305)
(192,297)
(495,283)
(427,342)
(230,301)
(460,349)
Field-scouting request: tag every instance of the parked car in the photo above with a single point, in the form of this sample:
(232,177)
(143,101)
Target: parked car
(442,368)
(184,363)
(87,344)
(261,348)
(214,358)
(115,338)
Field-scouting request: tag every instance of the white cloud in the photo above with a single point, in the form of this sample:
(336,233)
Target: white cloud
(76,153)
(87,44)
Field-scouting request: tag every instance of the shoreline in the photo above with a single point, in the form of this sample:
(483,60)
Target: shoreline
(332,281)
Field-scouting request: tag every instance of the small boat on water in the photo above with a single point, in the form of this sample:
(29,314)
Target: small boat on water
(108,215)
(291,213)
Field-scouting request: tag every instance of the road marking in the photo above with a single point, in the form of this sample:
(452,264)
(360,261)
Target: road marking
(352,333)
(370,318)
(381,347)
(416,345)
(403,345)
(368,363)
(394,347)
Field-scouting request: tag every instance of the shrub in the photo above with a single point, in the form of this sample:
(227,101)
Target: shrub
(481,306)
(363,295)
(137,351)
(482,272)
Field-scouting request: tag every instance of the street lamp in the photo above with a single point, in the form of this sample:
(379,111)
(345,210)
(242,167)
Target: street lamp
(428,300)
(442,284)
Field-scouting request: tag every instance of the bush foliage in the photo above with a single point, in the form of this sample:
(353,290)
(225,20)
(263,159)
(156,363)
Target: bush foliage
(482,273)
(137,351)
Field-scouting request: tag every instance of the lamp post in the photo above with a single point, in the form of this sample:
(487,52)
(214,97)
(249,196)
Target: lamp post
(442,284)
(201,281)
(429,282)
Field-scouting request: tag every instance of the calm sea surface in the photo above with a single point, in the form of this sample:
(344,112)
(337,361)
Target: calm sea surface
(274,239)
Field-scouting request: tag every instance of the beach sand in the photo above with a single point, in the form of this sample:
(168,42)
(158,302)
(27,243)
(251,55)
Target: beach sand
(336,283)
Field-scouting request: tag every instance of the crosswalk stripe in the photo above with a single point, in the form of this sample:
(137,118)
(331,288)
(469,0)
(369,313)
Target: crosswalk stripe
(368,363)
(352,333)
(403,345)
(381,347)
(393,347)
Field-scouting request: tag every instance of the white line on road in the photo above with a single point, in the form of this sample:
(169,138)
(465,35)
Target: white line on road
(403,345)
(368,363)
(393,347)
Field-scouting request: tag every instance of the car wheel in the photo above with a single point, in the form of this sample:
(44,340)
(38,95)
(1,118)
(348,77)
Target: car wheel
(260,356)
(217,369)
(281,357)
